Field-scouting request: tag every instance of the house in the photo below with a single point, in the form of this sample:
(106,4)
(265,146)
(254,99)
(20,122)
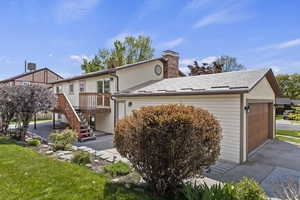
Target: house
(283,104)
(43,76)
(242,101)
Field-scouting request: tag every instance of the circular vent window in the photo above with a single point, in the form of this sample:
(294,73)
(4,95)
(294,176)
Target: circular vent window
(158,70)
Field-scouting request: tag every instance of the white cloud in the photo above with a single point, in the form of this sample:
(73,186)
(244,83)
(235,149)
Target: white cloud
(287,44)
(74,9)
(184,69)
(209,59)
(171,44)
(225,16)
(50,55)
(78,58)
(197,3)
(187,61)
(5,60)
(190,61)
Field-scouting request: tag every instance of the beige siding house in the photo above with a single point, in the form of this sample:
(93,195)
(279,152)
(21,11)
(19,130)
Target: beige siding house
(234,98)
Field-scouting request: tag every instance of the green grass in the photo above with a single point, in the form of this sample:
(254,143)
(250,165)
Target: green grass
(288,139)
(28,175)
(38,121)
(288,133)
(279,117)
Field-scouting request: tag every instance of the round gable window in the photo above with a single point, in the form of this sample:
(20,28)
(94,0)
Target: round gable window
(157,70)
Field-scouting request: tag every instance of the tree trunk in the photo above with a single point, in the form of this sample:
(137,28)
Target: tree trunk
(24,131)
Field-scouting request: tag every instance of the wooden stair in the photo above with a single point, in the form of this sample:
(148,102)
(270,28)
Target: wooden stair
(76,119)
(86,133)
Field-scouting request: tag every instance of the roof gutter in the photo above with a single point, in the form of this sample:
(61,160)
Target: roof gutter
(181,93)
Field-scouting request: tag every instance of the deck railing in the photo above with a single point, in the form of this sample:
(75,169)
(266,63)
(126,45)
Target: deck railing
(94,101)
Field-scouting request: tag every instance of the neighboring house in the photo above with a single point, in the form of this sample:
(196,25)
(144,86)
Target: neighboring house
(242,101)
(42,76)
(283,104)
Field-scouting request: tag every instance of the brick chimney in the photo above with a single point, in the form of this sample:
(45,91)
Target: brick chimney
(171,66)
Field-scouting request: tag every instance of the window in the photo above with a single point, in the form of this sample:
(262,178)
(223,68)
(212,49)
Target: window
(26,83)
(103,86)
(57,90)
(106,86)
(100,86)
(71,88)
(82,86)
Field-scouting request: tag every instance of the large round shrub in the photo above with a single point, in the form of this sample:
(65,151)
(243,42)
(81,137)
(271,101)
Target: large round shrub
(169,143)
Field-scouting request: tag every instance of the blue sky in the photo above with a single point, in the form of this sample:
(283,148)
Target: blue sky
(58,33)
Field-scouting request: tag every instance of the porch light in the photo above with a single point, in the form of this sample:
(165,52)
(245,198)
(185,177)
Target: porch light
(247,108)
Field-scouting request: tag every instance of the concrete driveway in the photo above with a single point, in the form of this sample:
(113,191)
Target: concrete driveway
(274,165)
(287,125)
(44,129)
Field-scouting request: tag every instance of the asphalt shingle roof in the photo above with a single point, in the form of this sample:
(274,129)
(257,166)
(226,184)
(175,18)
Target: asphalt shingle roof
(227,82)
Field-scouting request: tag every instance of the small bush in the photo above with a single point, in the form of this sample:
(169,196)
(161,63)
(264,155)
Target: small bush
(81,157)
(63,140)
(33,142)
(203,191)
(118,169)
(169,143)
(246,189)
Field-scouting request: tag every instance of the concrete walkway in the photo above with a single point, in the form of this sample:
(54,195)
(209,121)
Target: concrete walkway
(101,143)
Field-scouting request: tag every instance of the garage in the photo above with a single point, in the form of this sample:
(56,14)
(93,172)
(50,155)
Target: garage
(259,124)
(243,103)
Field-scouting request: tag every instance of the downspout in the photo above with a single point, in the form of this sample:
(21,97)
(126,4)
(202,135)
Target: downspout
(115,101)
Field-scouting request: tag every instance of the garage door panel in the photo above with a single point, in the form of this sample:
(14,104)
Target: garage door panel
(258,125)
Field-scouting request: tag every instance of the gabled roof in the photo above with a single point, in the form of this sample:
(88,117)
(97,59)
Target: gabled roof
(221,83)
(28,73)
(106,71)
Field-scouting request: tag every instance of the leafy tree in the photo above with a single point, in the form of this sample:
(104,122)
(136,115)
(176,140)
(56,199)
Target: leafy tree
(289,85)
(131,50)
(29,101)
(222,64)
(7,107)
(22,103)
(229,64)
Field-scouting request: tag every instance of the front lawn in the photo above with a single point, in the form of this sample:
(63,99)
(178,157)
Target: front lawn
(288,139)
(288,133)
(28,175)
(279,117)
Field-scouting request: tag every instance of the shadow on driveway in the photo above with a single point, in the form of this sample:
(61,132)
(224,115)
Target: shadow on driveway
(44,129)
(274,165)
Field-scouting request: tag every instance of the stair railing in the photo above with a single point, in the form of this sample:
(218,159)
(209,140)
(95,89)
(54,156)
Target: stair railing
(65,105)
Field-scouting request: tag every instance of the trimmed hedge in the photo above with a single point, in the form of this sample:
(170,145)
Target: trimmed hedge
(169,143)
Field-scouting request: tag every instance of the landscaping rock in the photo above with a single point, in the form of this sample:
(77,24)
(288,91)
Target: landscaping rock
(115,180)
(49,152)
(66,157)
(127,186)
(44,146)
(99,153)
(74,148)
(89,165)
(82,148)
